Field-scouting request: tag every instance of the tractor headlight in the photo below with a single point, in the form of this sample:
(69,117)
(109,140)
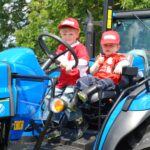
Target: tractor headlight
(57,105)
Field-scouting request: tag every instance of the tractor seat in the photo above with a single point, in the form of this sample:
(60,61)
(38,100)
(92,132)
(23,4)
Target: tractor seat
(127,79)
(128,75)
(103,101)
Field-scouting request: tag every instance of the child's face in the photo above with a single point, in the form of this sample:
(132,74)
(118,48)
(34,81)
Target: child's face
(70,35)
(109,49)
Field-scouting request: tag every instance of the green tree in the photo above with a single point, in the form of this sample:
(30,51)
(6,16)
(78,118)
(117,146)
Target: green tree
(45,15)
(12,17)
(29,21)
(134,4)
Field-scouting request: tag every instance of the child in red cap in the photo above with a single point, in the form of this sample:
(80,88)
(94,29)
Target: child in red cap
(69,31)
(107,68)
(65,89)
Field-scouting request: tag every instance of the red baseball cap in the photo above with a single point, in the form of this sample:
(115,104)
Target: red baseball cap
(110,37)
(69,22)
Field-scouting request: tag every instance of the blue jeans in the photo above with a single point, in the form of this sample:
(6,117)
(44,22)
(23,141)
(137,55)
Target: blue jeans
(87,81)
(67,95)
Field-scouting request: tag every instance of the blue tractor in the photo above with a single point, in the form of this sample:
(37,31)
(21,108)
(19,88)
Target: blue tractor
(126,126)
(24,84)
(119,120)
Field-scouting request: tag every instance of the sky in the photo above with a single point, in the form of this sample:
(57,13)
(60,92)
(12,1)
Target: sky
(28,1)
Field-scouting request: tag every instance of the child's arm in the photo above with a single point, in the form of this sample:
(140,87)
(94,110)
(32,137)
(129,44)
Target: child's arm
(95,67)
(82,66)
(120,65)
(62,60)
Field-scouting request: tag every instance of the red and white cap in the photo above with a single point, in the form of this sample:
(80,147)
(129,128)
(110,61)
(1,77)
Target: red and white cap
(69,22)
(110,37)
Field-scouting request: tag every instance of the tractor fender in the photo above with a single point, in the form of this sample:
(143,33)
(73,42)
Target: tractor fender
(124,124)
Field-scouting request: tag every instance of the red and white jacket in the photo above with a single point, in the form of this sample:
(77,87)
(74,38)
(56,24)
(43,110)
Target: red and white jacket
(65,78)
(106,69)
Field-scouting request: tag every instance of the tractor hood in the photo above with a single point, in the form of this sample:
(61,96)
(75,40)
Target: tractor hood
(22,61)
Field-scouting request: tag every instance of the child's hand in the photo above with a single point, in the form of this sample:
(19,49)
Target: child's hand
(118,69)
(63,65)
(100,59)
(68,68)
(120,65)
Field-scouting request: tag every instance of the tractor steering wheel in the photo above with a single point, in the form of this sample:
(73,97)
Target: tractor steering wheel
(52,57)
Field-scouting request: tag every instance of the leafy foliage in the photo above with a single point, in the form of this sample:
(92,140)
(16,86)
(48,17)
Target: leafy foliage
(132,4)
(45,15)
(22,22)
(12,17)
